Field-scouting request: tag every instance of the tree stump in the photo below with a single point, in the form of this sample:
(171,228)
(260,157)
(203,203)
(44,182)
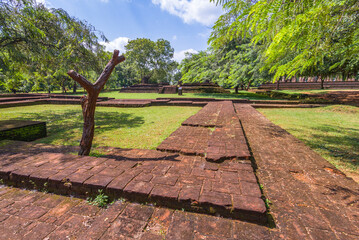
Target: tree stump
(88,102)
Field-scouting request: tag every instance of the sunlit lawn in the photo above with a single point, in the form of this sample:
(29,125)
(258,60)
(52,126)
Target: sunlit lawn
(331,131)
(143,128)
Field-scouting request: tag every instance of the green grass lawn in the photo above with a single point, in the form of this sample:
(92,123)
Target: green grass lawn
(331,131)
(143,128)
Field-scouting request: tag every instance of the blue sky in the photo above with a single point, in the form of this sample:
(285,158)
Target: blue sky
(185,23)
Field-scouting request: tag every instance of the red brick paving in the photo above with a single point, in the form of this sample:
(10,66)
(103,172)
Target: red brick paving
(172,180)
(125,103)
(309,197)
(49,216)
(187,140)
(224,141)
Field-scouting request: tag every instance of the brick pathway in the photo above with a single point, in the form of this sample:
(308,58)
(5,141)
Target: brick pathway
(190,182)
(214,132)
(310,197)
(35,215)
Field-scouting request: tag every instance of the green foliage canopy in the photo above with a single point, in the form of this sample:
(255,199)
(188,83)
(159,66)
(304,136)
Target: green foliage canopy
(39,45)
(299,37)
(151,60)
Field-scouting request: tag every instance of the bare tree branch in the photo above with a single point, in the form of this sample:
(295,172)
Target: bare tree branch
(108,69)
(81,80)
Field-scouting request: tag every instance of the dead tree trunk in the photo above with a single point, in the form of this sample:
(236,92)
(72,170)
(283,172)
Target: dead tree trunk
(88,102)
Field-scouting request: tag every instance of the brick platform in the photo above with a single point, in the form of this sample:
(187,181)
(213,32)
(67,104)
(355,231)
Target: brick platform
(310,198)
(214,132)
(22,130)
(125,103)
(36,215)
(229,189)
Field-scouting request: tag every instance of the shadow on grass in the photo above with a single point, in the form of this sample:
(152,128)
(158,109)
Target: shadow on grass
(341,143)
(65,125)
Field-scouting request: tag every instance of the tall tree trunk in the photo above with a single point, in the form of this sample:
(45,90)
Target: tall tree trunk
(321,82)
(88,102)
(74,88)
(248,85)
(236,89)
(63,87)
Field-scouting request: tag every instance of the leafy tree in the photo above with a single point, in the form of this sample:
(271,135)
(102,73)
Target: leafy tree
(43,43)
(151,60)
(299,37)
(197,67)
(235,64)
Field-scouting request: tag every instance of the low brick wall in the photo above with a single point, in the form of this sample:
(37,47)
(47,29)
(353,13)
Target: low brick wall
(311,85)
(22,130)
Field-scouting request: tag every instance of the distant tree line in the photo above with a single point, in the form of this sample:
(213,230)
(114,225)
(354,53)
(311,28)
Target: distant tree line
(38,45)
(269,40)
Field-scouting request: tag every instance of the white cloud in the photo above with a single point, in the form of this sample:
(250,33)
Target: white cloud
(118,43)
(201,11)
(174,37)
(178,56)
(41,1)
(104,1)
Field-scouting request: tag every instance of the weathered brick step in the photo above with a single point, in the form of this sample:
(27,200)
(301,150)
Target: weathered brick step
(195,137)
(274,102)
(22,130)
(199,104)
(286,105)
(234,100)
(159,102)
(22,103)
(187,140)
(63,101)
(214,114)
(229,189)
(125,103)
(189,99)
(64,96)
(217,145)
(180,103)
(206,117)
(227,143)
(14,99)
